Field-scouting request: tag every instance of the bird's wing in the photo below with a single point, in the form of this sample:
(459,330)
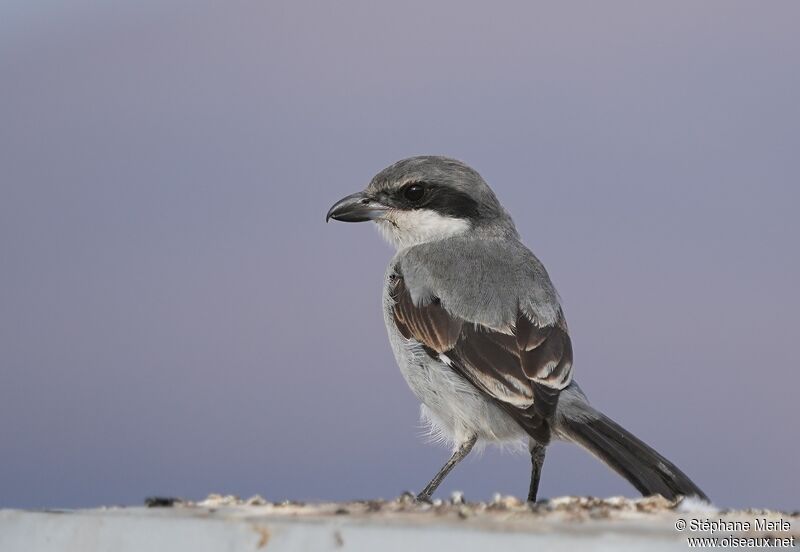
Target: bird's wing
(522,367)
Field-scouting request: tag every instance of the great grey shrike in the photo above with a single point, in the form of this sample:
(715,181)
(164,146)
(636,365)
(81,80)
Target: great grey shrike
(478,330)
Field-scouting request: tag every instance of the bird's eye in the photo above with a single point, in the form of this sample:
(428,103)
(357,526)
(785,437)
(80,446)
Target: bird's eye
(414,192)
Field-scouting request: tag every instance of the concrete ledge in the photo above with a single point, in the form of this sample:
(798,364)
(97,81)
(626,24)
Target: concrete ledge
(400,525)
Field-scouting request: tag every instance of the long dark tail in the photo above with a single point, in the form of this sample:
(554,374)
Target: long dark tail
(623,452)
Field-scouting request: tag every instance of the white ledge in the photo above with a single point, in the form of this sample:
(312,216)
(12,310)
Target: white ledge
(505,524)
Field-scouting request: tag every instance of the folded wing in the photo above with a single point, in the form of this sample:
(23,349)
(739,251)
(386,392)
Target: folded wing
(522,369)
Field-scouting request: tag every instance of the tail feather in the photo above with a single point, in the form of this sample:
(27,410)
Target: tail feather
(623,452)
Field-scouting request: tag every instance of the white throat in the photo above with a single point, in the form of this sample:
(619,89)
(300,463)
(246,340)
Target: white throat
(407,228)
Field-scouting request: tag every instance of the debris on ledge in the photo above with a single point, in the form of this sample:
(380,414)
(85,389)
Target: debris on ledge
(228,522)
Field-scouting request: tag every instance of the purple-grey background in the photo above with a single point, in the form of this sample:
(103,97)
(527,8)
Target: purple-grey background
(177,319)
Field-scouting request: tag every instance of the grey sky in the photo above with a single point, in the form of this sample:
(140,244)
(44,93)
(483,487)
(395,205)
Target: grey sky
(177,319)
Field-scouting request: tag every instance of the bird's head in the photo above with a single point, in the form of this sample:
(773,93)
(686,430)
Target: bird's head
(424,199)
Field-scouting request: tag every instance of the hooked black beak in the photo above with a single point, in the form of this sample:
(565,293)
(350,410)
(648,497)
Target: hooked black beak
(357,207)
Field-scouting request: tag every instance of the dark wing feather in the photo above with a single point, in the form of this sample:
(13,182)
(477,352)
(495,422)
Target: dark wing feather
(522,372)
(429,324)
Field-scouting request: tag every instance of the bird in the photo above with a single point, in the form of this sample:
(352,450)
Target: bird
(478,330)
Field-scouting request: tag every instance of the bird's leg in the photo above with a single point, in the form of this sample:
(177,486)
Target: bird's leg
(460,453)
(537,461)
